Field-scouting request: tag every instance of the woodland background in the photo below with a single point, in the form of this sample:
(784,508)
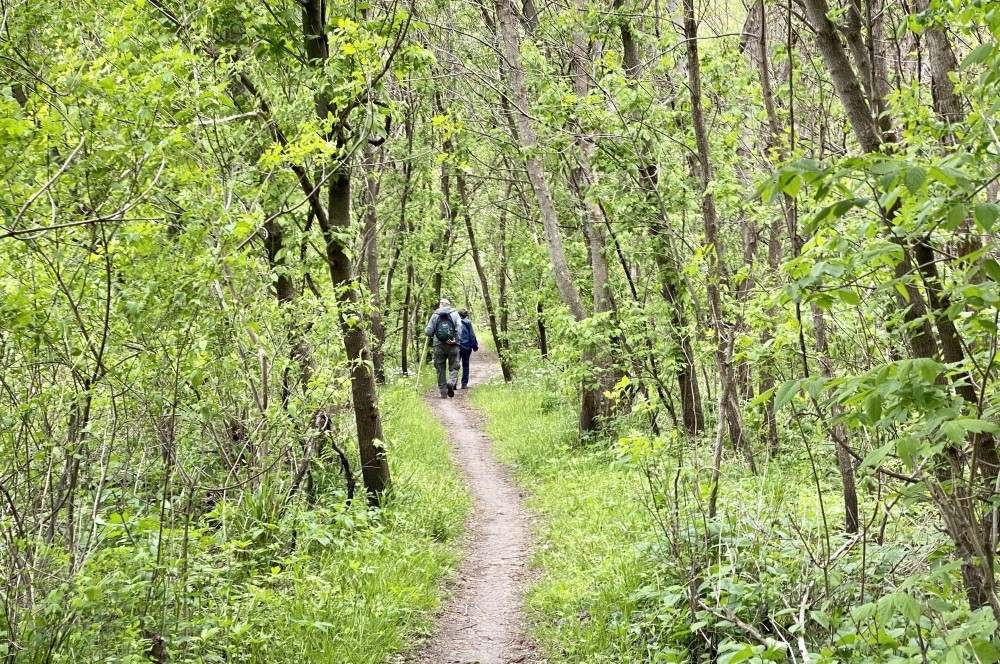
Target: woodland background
(739,262)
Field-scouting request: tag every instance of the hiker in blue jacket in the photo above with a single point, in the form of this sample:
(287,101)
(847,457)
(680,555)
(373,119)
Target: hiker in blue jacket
(467,344)
(444,329)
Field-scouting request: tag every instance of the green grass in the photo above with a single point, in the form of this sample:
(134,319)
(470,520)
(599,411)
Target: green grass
(317,584)
(614,588)
(360,602)
(591,525)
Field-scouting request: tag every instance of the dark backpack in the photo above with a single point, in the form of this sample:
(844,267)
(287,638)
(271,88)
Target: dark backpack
(445,330)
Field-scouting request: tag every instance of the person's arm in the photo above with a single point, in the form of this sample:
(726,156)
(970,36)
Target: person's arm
(429,331)
(475,341)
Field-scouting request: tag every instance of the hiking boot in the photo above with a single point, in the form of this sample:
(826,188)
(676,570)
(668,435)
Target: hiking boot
(451,389)
(444,395)
(465,387)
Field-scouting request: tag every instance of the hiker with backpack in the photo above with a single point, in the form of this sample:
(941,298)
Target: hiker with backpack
(444,329)
(467,344)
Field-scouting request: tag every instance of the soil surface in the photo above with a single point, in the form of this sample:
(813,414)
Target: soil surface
(483,622)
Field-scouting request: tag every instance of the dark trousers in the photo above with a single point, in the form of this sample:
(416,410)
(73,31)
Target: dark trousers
(446,362)
(466,353)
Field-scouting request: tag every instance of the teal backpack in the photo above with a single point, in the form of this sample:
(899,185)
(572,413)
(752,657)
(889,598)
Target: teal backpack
(445,330)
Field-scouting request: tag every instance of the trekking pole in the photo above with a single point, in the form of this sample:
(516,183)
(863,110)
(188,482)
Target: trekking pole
(420,365)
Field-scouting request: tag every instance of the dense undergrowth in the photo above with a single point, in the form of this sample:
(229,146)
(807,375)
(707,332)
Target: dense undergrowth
(252,581)
(634,569)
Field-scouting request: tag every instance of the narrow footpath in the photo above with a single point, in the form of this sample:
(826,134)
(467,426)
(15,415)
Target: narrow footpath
(483,622)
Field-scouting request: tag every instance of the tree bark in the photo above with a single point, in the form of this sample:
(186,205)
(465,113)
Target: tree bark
(448,212)
(596,406)
(837,431)
(502,299)
(334,222)
(367,417)
(405,341)
(372,185)
(499,340)
(686,372)
(714,255)
(852,97)
(543,343)
(533,163)
(947,103)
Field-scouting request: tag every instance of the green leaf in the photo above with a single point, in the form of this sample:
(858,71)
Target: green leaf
(979,54)
(884,167)
(873,407)
(952,432)
(914,179)
(942,177)
(978,426)
(986,652)
(957,214)
(197,377)
(992,269)
(986,215)
(792,186)
(739,656)
(928,369)
(785,393)
(875,457)
(900,602)
(848,296)
(863,613)
(906,449)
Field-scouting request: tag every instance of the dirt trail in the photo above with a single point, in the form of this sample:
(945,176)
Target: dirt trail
(483,622)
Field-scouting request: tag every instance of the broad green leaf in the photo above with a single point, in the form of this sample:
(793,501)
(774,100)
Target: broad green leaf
(873,407)
(742,655)
(848,296)
(978,55)
(786,392)
(986,652)
(914,179)
(874,458)
(906,449)
(956,214)
(992,269)
(986,215)
(928,369)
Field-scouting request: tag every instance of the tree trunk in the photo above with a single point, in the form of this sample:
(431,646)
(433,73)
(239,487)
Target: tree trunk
(499,340)
(947,103)
(502,299)
(372,184)
(335,221)
(449,212)
(844,81)
(714,255)
(596,405)
(837,431)
(955,506)
(543,344)
(367,418)
(405,341)
(686,372)
(533,164)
